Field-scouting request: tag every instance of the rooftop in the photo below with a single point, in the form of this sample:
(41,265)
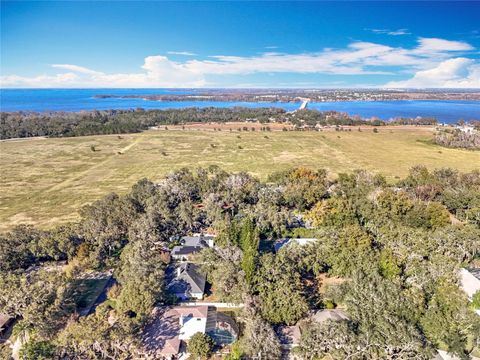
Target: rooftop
(186,250)
(187,278)
(327,314)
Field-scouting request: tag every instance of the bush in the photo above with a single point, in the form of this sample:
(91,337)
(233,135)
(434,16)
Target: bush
(476,300)
(38,350)
(200,345)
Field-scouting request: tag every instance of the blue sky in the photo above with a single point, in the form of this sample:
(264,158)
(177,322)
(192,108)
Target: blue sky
(240,44)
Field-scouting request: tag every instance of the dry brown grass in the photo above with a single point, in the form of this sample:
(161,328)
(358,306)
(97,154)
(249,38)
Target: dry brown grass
(45,181)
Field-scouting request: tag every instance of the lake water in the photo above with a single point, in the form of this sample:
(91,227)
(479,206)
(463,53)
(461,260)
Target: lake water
(83,99)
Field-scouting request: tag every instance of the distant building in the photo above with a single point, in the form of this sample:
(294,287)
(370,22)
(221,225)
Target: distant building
(284,242)
(466,129)
(170,329)
(188,283)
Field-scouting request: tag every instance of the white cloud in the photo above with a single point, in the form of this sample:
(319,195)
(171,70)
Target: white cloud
(430,45)
(58,80)
(358,58)
(75,68)
(159,71)
(452,73)
(390,32)
(184,53)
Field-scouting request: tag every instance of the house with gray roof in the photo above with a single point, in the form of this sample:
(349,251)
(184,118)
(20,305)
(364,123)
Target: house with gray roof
(191,245)
(185,253)
(188,282)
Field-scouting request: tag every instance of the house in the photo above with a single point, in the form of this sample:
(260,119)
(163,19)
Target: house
(170,328)
(470,282)
(191,245)
(284,242)
(198,240)
(329,314)
(185,253)
(289,336)
(188,282)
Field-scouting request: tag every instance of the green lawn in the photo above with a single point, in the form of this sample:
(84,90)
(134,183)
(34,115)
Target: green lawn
(87,292)
(45,181)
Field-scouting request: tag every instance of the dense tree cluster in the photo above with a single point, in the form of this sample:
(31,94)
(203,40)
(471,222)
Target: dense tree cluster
(64,124)
(416,121)
(458,139)
(394,249)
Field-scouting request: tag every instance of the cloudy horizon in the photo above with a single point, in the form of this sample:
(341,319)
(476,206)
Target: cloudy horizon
(383,57)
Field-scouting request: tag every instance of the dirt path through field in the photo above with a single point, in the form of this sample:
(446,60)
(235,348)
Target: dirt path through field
(84,173)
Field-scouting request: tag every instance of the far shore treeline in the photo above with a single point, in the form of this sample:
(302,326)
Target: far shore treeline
(68,124)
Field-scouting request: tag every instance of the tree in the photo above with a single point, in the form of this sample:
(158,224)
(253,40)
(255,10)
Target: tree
(37,350)
(108,337)
(200,345)
(104,225)
(476,300)
(280,289)
(17,248)
(259,338)
(303,187)
(249,242)
(42,298)
(330,339)
(141,278)
(448,319)
(385,318)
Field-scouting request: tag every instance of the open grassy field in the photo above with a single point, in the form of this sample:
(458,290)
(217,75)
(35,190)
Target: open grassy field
(45,181)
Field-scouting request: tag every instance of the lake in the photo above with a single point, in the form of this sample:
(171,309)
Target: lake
(83,99)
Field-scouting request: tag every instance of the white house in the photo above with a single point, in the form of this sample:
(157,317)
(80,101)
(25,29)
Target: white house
(192,320)
(170,328)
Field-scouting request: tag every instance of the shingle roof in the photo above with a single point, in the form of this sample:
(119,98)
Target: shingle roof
(475,272)
(334,315)
(189,278)
(171,347)
(186,250)
(194,311)
(195,241)
(288,335)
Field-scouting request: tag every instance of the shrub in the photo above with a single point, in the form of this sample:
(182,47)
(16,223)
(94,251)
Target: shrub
(200,345)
